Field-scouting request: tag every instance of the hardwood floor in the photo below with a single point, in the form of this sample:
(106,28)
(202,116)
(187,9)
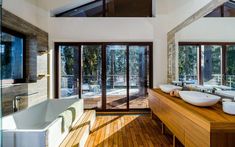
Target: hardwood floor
(127,130)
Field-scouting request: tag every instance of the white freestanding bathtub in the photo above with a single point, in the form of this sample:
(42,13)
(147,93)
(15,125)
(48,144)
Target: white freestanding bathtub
(43,125)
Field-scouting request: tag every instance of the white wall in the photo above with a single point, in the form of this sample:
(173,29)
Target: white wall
(28,11)
(179,10)
(96,29)
(209,30)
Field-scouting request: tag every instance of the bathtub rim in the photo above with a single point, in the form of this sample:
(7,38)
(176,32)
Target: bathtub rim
(50,124)
(75,97)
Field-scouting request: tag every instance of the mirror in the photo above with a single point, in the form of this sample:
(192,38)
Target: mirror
(206,49)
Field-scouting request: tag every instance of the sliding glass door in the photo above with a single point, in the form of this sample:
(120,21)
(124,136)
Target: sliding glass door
(108,76)
(69,71)
(116,77)
(138,76)
(91,75)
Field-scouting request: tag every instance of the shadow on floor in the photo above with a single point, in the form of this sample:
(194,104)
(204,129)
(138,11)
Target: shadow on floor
(122,101)
(140,131)
(105,124)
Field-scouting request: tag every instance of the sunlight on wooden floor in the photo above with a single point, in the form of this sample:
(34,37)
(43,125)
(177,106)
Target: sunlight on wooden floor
(127,130)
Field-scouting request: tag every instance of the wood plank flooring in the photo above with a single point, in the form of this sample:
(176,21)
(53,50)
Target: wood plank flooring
(127,131)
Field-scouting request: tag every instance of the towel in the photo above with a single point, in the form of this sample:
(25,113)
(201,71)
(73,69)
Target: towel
(67,120)
(69,116)
(175,93)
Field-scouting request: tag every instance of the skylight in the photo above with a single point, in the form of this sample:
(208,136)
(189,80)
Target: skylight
(109,8)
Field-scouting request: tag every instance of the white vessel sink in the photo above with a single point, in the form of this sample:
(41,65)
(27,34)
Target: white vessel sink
(229,107)
(199,98)
(230,94)
(167,88)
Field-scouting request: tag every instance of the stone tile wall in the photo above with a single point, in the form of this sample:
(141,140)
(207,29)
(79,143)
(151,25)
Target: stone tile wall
(34,90)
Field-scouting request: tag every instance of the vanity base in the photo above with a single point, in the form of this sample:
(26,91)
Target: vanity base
(191,125)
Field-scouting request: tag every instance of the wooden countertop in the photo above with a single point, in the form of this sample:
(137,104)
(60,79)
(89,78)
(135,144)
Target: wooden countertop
(211,118)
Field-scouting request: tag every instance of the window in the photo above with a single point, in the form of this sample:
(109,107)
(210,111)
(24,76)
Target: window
(188,67)
(91,75)
(107,76)
(116,73)
(226,10)
(138,76)
(207,63)
(12,55)
(111,8)
(230,66)
(69,70)
(211,64)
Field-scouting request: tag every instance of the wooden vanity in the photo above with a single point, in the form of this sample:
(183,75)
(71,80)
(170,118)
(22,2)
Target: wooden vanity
(191,125)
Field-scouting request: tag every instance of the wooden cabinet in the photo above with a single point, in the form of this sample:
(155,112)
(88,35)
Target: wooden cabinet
(193,126)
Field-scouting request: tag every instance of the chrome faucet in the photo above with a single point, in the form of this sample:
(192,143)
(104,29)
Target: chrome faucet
(16,103)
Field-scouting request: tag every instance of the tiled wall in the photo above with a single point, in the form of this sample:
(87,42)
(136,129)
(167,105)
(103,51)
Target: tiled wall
(35,89)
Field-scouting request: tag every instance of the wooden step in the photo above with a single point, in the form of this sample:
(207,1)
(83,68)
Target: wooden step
(80,131)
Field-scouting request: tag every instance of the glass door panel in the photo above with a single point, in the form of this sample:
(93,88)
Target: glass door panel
(116,80)
(230,66)
(138,76)
(211,64)
(91,76)
(69,78)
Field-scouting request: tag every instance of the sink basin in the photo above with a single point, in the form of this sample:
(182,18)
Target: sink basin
(198,98)
(167,88)
(229,107)
(230,94)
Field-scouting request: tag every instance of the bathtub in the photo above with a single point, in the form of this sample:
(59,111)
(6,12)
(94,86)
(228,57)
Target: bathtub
(43,125)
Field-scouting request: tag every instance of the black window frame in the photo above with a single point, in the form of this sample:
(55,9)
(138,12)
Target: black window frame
(20,35)
(103,78)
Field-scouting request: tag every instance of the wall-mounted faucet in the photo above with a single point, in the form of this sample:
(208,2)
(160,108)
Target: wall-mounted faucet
(16,103)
